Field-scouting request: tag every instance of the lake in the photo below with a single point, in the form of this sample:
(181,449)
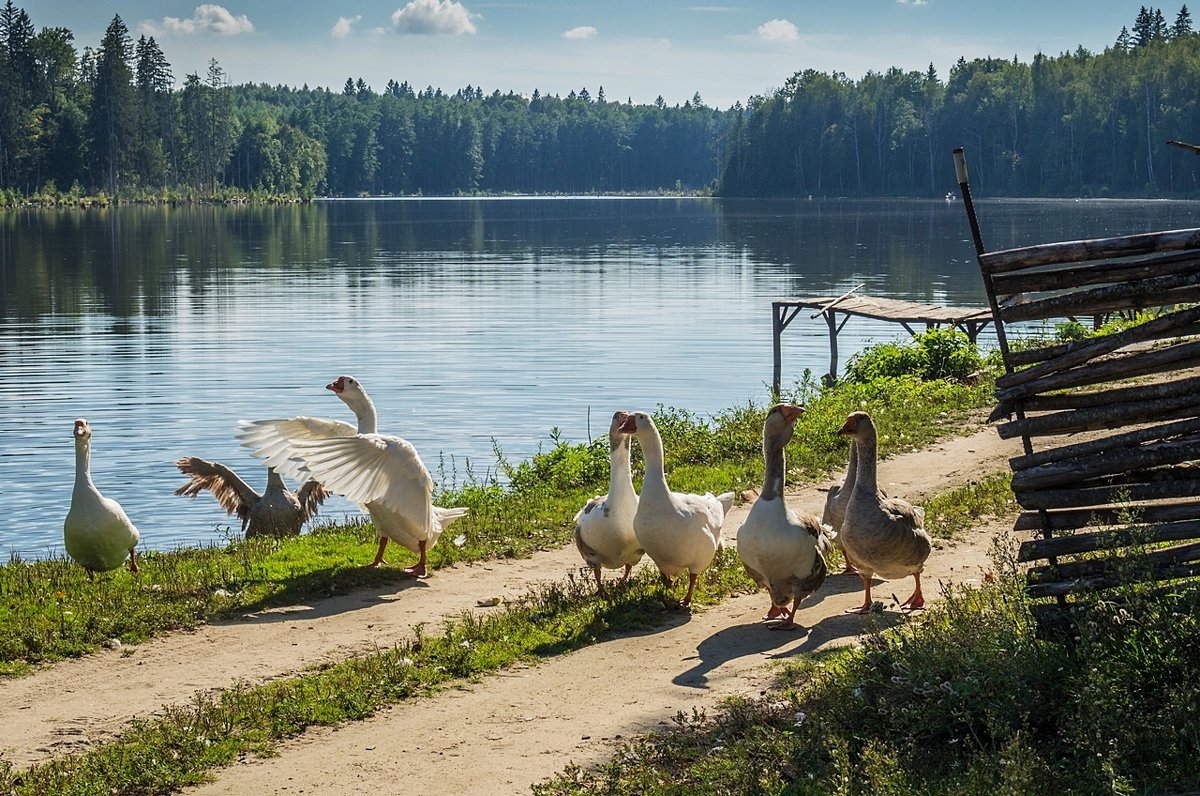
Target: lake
(473,323)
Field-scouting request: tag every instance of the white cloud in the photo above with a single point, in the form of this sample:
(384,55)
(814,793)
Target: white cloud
(581,32)
(777,30)
(433,17)
(344,26)
(207,18)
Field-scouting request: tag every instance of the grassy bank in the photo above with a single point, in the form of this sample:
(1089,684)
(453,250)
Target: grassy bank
(189,741)
(49,609)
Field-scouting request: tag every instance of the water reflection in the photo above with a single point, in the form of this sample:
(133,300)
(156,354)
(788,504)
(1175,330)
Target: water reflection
(468,320)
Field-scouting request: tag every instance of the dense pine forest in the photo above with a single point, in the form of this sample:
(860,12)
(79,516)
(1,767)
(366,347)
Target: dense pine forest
(113,120)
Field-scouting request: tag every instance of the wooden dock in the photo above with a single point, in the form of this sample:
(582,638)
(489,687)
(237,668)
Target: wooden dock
(913,316)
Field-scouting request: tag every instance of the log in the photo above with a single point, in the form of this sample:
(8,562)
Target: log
(1094,274)
(1083,518)
(1000,262)
(1176,356)
(1064,587)
(1079,470)
(1170,291)
(1121,492)
(1081,400)
(1113,443)
(1094,348)
(1032,356)
(1075,544)
(1098,417)
(1134,558)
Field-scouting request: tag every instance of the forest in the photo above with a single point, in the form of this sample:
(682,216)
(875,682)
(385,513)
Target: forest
(112,120)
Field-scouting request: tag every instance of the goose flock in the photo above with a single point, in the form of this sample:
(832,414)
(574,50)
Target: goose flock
(784,550)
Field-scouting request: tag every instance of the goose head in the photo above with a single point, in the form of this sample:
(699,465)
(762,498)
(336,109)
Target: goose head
(637,423)
(351,391)
(617,437)
(857,425)
(82,430)
(781,422)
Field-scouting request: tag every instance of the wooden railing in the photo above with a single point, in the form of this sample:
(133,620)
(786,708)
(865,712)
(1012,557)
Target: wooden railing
(1124,504)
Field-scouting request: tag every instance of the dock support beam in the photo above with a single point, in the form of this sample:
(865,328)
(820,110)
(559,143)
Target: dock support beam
(781,316)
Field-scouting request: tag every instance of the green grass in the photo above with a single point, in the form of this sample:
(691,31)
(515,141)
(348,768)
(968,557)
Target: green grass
(49,609)
(967,700)
(949,515)
(183,746)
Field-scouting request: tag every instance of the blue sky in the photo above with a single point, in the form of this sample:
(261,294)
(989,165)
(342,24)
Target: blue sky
(726,51)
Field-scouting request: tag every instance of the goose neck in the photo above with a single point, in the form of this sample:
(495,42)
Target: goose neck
(773,476)
(620,479)
(866,463)
(83,464)
(364,410)
(652,453)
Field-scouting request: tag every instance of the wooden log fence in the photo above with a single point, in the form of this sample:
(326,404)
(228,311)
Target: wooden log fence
(1124,506)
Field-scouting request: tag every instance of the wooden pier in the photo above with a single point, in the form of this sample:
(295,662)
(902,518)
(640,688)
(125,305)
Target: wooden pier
(913,316)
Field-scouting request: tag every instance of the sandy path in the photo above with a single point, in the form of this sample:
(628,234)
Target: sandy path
(500,735)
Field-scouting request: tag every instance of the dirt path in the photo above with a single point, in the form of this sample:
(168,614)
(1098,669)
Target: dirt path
(509,730)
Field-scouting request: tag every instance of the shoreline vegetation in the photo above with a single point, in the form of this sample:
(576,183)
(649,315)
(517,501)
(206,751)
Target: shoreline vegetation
(967,698)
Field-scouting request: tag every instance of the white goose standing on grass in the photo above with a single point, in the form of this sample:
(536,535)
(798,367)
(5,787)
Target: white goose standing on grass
(782,549)
(276,512)
(884,536)
(680,532)
(97,533)
(604,527)
(384,473)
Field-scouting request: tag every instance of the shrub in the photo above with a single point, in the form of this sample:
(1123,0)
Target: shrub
(936,354)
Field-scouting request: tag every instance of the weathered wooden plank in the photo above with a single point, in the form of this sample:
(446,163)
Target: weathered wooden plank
(1064,587)
(1094,348)
(1074,544)
(1032,356)
(1074,276)
(1150,486)
(1097,249)
(1116,442)
(1072,519)
(1099,417)
(1139,392)
(1175,356)
(1074,570)
(1157,292)
(1109,462)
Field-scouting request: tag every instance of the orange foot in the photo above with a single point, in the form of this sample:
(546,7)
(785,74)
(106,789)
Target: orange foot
(777,612)
(417,570)
(788,624)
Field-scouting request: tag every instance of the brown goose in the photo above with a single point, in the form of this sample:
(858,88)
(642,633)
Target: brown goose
(884,536)
(835,506)
(782,549)
(276,512)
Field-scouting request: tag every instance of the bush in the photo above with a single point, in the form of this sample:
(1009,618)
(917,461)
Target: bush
(936,354)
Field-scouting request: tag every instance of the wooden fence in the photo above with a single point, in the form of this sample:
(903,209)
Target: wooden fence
(1124,504)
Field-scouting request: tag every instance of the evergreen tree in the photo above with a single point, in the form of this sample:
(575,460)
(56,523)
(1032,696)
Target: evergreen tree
(1183,24)
(112,118)
(1143,27)
(1124,40)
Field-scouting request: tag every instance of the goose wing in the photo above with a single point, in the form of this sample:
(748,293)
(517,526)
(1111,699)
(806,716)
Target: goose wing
(232,493)
(273,440)
(372,468)
(312,495)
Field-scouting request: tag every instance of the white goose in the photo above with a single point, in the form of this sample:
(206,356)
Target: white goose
(604,527)
(383,473)
(884,536)
(97,532)
(276,512)
(680,532)
(780,548)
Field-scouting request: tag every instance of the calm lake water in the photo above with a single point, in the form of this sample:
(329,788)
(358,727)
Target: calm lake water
(467,320)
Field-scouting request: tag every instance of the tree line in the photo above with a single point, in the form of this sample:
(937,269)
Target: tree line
(1077,124)
(112,119)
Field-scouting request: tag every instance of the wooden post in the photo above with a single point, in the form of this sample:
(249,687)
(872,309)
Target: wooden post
(777,330)
(831,319)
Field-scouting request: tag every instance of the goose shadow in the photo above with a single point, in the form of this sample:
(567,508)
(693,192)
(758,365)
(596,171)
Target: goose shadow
(317,594)
(757,638)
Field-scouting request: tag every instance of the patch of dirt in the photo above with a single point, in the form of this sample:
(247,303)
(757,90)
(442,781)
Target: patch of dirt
(511,729)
